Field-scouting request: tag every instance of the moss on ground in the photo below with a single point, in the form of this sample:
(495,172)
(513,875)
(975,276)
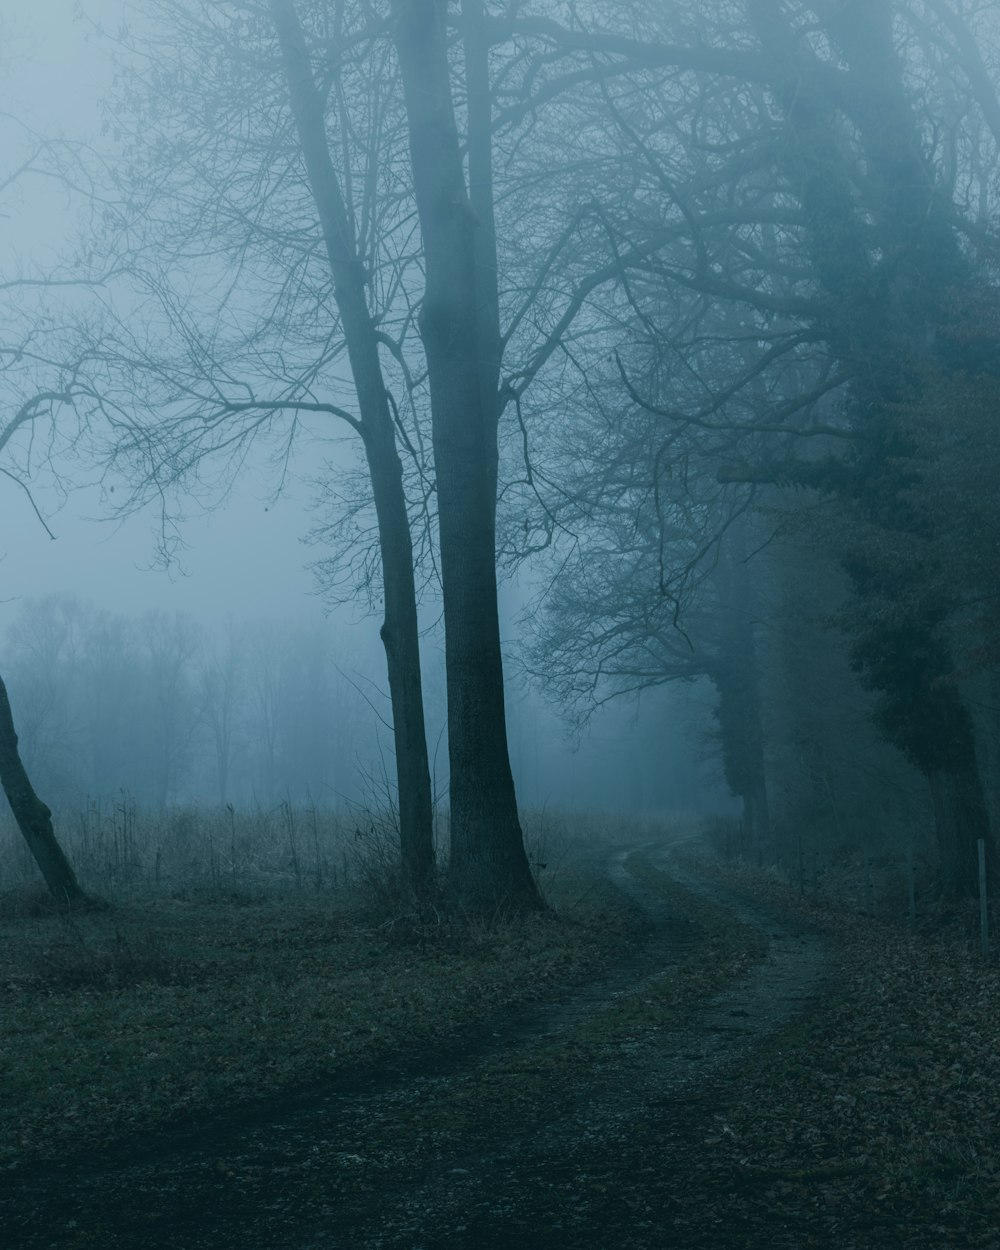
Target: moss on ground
(123,1019)
(541,1080)
(336,1180)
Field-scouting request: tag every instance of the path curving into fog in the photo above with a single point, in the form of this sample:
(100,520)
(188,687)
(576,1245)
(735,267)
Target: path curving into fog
(354,1166)
(554,1188)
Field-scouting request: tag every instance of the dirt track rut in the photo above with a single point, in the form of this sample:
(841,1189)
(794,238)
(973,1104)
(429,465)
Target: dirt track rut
(305,1175)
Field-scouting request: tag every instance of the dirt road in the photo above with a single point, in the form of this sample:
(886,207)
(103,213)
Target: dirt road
(494,1141)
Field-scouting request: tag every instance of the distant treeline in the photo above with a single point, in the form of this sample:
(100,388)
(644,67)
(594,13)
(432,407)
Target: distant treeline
(169,710)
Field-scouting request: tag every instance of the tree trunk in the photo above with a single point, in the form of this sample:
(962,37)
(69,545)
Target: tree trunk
(736,675)
(399,632)
(479,145)
(757,800)
(33,818)
(946,755)
(488,866)
(960,820)
(401,640)
(222,768)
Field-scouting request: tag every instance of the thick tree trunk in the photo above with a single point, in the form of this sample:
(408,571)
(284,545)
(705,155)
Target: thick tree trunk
(488,866)
(399,632)
(479,145)
(33,818)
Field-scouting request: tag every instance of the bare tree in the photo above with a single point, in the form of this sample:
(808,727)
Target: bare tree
(838,213)
(399,632)
(299,239)
(33,818)
(43,412)
(221,683)
(458,317)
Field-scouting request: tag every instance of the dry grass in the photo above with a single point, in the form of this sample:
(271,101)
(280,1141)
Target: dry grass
(117,847)
(173,1001)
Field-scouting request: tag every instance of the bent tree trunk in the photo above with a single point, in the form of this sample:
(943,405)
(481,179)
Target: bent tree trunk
(488,867)
(33,818)
(399,632)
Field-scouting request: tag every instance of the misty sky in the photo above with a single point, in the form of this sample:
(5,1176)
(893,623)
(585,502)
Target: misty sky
(55,75)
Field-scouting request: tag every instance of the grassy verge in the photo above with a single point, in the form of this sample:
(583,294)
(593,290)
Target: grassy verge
(540,1080)
(117,1021)
(876,1117)
(329,1185)
(162,1007)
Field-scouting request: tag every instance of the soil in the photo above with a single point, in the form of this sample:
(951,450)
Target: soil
(413,1155)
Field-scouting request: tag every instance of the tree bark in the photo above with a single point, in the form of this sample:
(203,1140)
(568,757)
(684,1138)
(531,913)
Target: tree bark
(476,47)
(488,866)
(736,675)
(943,746)
(960,820)
(33,818)
(399,631)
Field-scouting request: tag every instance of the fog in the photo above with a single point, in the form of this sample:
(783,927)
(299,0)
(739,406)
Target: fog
(246,562)
(499,622)
(724,480)
(245,559)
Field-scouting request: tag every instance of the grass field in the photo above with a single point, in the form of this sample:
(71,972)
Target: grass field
(179,997)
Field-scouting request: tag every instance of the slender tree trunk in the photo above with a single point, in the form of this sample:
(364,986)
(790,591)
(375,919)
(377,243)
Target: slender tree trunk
(745,647)
(33,818)
(476,45)
(222,772)
(488,866)
(760,808)
(737,679)
(401,639)
(399,632)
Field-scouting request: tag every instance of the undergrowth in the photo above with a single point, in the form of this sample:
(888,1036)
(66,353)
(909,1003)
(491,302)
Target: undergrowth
(873,1121)
(165,1007)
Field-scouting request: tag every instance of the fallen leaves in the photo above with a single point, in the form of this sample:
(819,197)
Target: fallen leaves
(273,995)
(890,1093)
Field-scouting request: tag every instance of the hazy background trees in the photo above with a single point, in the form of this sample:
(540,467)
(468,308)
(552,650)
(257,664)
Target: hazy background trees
(815,304)
(171,711)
